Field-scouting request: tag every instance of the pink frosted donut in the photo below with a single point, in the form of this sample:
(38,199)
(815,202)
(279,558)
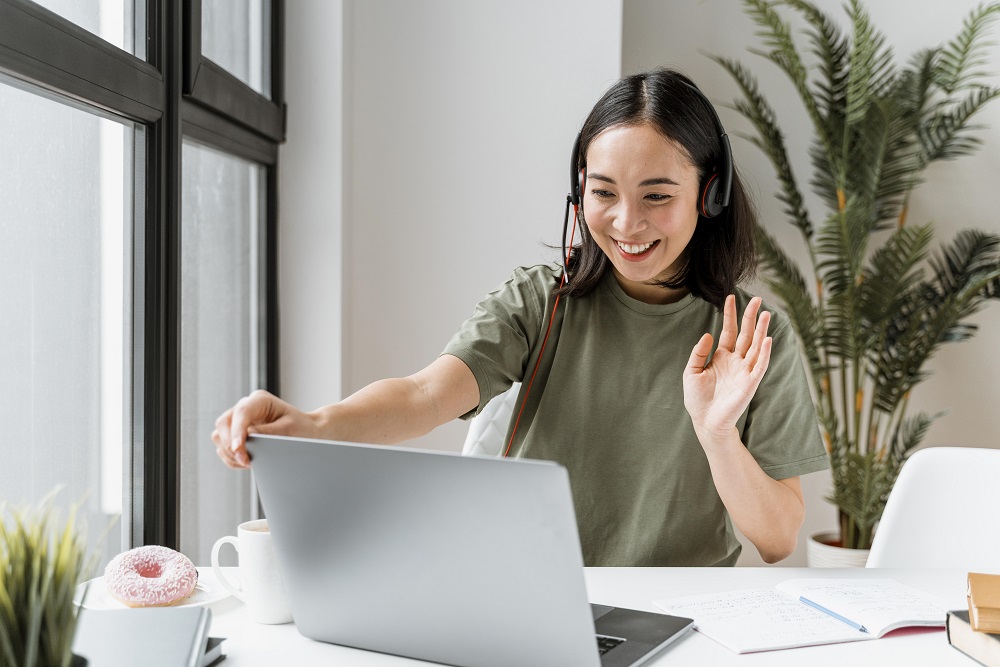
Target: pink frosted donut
(150,576)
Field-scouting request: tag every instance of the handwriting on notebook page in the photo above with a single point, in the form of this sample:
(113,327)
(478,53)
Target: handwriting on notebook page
(761,619)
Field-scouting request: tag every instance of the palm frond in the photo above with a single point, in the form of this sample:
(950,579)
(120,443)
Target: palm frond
(892,273)
(770,140)
(783,278)
(942,136)
(871,70)
(972,252)
(936,312)
(861,487)
(901,163)
(961,56)
(908,437)
(886,159)
(840,246)
(841,243)
(917,82)
(777,35)
(832,50)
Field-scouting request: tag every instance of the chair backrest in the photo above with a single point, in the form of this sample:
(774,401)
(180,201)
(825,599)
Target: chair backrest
(488,429)
(943,511)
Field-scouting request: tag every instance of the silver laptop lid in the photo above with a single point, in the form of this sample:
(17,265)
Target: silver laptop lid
(459,560)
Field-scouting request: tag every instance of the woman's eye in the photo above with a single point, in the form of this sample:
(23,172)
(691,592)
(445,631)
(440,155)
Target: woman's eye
(601,194)
(655,196)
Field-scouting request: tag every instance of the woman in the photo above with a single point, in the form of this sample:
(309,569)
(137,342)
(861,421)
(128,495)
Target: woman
(668,442)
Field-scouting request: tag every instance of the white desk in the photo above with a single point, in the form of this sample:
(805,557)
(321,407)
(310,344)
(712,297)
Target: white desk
(248,643)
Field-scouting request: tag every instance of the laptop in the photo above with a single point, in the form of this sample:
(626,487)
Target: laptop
(452,559)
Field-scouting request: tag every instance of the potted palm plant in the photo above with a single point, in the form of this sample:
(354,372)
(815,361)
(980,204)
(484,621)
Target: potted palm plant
(876,301)
(41,563)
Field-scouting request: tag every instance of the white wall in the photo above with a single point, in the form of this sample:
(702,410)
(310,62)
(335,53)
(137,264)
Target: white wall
(427,156)
(310,200)
(461,117)
(957,195)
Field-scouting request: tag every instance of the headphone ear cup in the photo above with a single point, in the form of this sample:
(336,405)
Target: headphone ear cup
(575,174)
(709,205)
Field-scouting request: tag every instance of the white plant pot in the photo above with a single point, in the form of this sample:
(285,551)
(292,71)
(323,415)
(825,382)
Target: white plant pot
(821,554)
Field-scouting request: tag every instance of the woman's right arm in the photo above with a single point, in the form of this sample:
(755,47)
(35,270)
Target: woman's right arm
(385,412)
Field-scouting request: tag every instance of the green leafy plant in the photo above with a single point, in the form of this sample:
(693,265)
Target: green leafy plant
(41,563)
(878,302)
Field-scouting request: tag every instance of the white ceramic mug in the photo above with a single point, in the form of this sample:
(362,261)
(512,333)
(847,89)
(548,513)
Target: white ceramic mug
(262,589)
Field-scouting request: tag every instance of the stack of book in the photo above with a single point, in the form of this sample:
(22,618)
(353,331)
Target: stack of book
(976,632)
(158,637)
(984,601)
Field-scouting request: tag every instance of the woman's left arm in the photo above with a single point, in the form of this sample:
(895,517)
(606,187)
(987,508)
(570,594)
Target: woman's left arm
(769,512)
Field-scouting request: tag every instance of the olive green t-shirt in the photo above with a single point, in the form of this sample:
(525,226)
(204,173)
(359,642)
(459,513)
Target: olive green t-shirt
(608,404)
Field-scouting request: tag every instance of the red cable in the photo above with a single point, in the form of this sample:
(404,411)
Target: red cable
(548,329)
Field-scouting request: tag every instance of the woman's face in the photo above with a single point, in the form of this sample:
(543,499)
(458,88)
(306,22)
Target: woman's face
(640,203)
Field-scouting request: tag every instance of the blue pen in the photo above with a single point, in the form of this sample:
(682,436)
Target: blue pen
(856,626)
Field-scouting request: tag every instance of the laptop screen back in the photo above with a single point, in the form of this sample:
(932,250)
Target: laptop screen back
(430,555)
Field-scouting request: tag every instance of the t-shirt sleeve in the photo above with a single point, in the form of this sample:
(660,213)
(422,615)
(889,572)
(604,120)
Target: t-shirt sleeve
(496,341)
(781,430)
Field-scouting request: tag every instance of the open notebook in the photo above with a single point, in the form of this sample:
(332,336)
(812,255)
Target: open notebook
(807,612)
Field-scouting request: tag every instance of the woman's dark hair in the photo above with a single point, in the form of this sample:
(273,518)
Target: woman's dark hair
(721,253)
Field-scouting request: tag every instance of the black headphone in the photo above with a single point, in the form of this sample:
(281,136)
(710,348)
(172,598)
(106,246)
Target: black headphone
(715,191)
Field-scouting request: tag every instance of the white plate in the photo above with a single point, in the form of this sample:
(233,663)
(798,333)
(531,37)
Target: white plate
(207,591)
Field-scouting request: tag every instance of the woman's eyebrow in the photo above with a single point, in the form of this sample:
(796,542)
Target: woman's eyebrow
(648,181)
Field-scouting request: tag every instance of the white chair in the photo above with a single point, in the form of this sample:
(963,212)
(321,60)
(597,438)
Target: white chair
(943,512)
(488,429)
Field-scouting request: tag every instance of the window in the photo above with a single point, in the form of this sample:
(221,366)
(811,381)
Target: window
(137,258)
(222,202)
(234,36)
(111,20)
(66,187)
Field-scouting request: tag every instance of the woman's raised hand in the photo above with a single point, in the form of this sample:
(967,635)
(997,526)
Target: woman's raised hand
(260,412)
(717,392)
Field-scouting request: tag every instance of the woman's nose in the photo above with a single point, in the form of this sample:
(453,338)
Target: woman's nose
(629,219)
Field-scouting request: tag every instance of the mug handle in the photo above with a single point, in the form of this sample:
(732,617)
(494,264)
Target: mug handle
(218,570)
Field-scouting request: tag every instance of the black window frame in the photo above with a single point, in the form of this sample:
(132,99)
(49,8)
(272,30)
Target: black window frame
(175,94)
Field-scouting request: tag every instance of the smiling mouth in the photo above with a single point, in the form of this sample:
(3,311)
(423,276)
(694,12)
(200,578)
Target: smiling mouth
(636,250)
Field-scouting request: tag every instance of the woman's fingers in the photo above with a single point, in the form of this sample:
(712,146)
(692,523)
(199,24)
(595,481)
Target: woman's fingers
(232,426)
(222,439)
(759,334)
(220,436)
(727,339)
(226,457)
(242,418)
(699,355)
(761,362)
(745,338)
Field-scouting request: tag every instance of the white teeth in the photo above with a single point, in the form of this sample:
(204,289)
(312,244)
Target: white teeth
(634,249)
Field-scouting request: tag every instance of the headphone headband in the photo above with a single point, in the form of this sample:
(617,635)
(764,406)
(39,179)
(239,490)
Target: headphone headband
(716,192)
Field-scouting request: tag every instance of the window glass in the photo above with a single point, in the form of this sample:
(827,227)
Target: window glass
(114,21)
(221,209)
(65,218)
(236,35)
